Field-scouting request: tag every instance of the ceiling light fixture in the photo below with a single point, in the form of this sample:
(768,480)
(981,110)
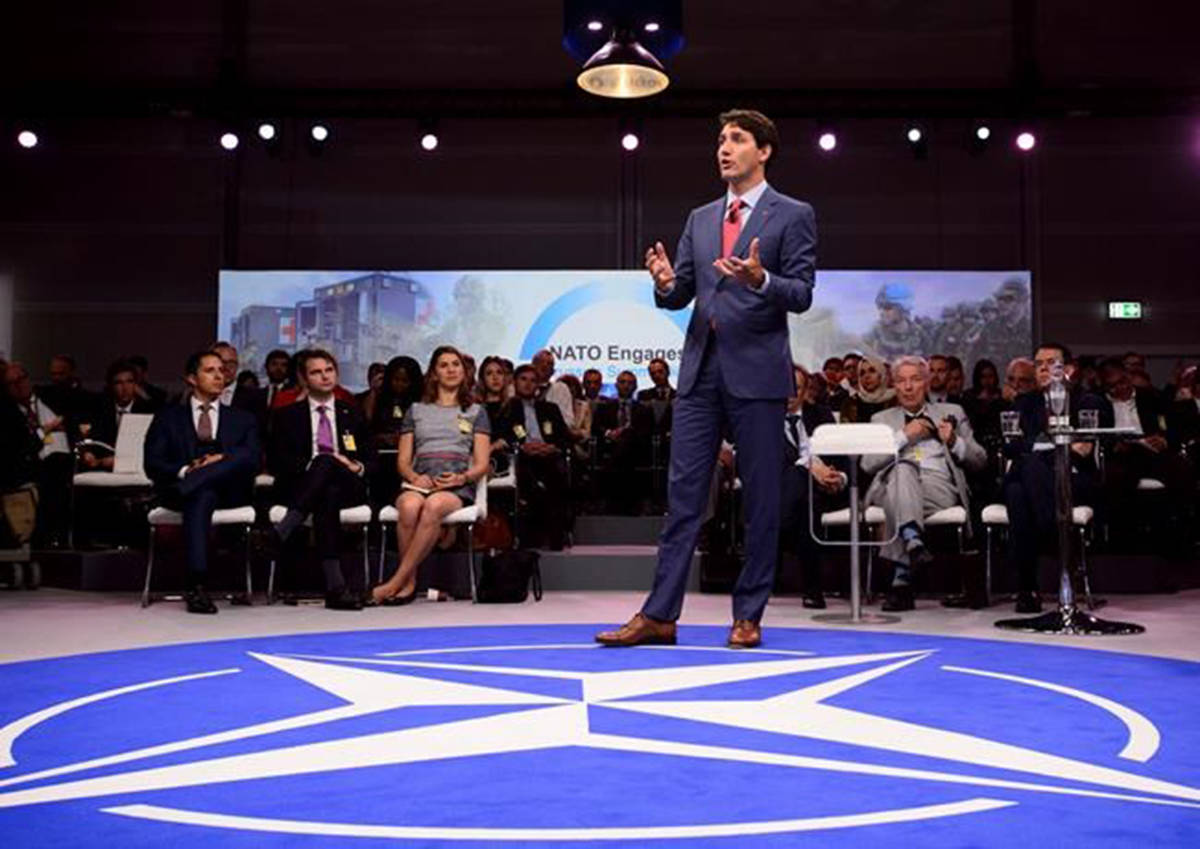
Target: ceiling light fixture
(623,69)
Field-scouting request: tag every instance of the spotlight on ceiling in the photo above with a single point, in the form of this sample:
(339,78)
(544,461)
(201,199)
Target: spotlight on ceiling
(595,26)
(652,26)
(27,139)
(429,141)
(623,69)
(827,141)
(630,142)
(267,131)
(319,132)
(983,132)
(229,141)
(1026,141)
(914,135)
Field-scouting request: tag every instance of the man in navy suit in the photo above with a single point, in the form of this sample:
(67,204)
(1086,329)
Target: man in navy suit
(201,456)
(746,260)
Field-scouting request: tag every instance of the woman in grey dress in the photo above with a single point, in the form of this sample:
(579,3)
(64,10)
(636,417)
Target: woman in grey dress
(444,449)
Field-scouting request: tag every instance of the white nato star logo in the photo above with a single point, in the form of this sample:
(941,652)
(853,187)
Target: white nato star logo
(532,722)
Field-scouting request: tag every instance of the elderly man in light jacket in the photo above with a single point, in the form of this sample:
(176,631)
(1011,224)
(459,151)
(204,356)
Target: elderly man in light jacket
(935,445)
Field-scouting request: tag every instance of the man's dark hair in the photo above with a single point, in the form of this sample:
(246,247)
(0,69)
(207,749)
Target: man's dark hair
(524,367)
(320,354)
(954,364)
(66,358)
(1111,364)
(665,364)
(118,367)
(942,357)
(756,124)
(138,360)
(194,360)
(1056,346)
(298,361)
(830,361)
(593,371)
(276,354)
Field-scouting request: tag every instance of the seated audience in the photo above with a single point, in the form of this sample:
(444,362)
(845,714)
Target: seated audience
(538,432)
(147,391)
(403,385)
(65,393)
(623,430)
(827,483)
(850,372)
(229,368)
(1020,378)
(1029,481)
(582,430)
(278,366)
(493,386)
(837,394)
(1148,456)
(321,457)
(659,397)
(555,393)
(56,463)
(202,455)
(20,445)
(366,399)
(956,380)
(813,413)
(445,442)
(936,449)
(299,392)
(119,399)
(872,392)
(593,384)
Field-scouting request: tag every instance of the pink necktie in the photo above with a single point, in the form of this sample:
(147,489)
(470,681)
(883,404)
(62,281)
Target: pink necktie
(324,432)
(731,227)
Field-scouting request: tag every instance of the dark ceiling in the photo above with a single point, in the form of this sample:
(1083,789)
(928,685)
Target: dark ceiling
(800,55)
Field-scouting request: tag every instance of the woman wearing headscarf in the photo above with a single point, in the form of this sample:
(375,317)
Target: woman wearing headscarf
(874,394)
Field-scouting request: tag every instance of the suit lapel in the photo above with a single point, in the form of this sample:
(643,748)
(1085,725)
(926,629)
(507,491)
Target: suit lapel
(758,218)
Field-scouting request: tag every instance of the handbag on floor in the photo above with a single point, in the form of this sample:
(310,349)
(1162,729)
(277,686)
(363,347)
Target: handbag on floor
(507,577)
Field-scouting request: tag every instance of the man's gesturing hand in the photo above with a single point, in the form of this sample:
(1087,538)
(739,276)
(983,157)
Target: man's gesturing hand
(748,271)
(659,266)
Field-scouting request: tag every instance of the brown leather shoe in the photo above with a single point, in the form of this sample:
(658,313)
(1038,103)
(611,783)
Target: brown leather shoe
(745,634)
(641,630)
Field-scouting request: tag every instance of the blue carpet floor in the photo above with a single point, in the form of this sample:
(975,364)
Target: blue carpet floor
(531,735)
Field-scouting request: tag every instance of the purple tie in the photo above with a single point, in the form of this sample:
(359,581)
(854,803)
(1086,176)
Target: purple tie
(324,432)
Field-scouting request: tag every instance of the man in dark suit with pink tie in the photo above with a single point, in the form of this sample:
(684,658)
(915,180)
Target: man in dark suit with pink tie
(745,260)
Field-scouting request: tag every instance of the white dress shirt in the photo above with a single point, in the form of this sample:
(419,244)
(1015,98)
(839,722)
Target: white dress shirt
(559,394)
(214,413)
(1125,413)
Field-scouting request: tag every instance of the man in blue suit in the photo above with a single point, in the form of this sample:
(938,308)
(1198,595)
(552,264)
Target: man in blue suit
(746,260)
(202,455)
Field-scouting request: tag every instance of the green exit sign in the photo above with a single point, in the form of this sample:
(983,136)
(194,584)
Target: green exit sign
(1124,309)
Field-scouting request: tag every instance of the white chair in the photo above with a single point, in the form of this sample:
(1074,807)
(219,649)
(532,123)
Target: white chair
(128,471)
(161,516)
(995,516)
(853,440)
(468,516)
(358,516)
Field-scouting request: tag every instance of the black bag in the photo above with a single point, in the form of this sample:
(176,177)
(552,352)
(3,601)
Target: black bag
(507,577)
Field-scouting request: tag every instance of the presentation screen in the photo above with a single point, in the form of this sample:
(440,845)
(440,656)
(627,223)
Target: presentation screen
(605,319)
